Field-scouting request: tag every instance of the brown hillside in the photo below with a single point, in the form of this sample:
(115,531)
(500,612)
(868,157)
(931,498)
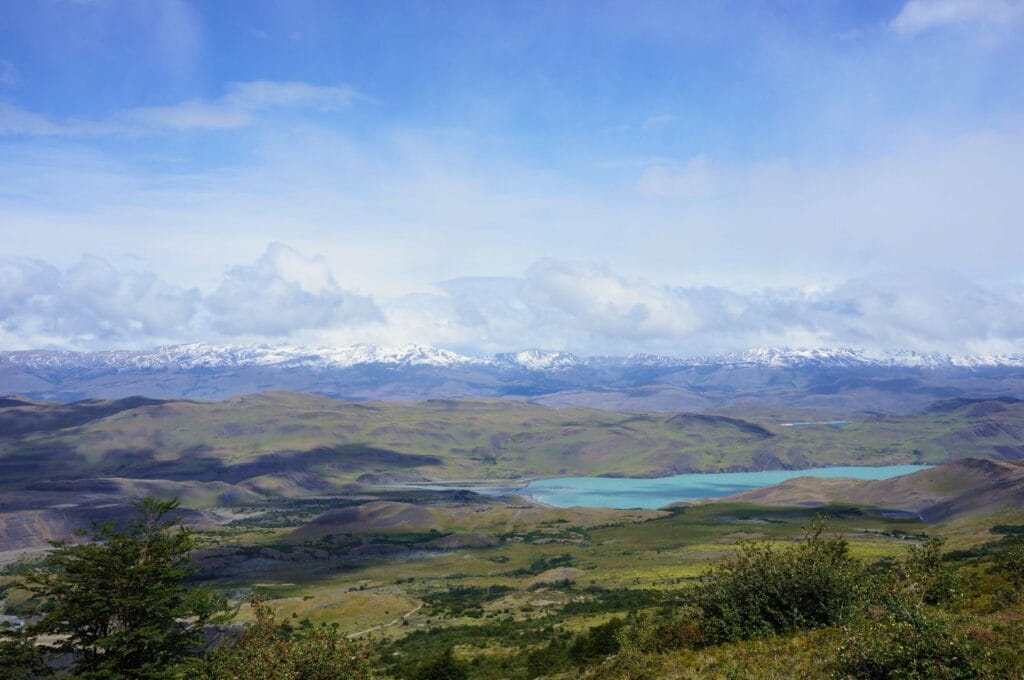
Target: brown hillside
(971,486)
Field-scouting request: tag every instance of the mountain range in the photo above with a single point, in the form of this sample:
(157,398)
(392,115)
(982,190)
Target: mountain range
(837,380)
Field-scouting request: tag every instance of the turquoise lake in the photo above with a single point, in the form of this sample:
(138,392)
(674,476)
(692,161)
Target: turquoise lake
(607,492)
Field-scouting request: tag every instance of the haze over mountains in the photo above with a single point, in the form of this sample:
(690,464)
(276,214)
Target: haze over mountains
(836,380)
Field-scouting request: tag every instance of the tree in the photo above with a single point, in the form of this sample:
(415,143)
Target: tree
(119,603)
(20,658)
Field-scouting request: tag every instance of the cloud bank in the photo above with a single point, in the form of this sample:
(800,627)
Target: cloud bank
(288,297)
(94,304)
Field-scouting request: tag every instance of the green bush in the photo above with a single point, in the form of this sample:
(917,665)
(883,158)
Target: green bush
(923,646)
(763,590)
(551,658)
(442,667)
(1011,564)
(597,643)
(926,575)
(267,650)
(648,634)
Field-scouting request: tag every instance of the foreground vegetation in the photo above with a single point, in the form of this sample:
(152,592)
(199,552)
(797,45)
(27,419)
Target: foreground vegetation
(839,600)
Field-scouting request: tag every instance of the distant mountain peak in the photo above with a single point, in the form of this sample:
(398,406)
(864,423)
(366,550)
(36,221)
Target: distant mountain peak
(538,360)
(206,355)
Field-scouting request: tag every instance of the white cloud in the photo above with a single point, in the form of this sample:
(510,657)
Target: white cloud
(90,303)
(918,16)
(658,120)
(16,121)
(284,292)
(265,94)
(285,296)
(693,179)
(188,115)
(94,304)
(590,309)
(8,73)
(238,107)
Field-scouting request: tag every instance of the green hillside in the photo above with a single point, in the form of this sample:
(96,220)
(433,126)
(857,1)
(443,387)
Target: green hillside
(271,440)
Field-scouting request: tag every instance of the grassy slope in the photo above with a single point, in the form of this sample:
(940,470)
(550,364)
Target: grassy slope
(276,436)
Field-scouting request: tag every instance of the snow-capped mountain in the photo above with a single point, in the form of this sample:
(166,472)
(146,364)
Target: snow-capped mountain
(816,378)
(536,360)
(206,355)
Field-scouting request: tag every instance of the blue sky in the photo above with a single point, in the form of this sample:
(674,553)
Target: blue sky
(599,177)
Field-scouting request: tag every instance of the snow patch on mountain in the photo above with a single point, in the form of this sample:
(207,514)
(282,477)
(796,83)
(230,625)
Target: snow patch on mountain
(210,356)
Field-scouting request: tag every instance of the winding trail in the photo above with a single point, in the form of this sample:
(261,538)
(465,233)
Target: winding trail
(394,622)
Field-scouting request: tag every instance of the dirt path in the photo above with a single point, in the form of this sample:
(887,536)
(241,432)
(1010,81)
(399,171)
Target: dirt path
(394,622)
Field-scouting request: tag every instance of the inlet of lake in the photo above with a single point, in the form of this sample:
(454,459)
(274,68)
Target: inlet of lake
(621,492)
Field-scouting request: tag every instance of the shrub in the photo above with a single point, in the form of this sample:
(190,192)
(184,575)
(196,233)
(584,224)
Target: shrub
(923,646)
(923,572)
(1011,563)
(763,590)
(267,650)
(597,643)
(442,667)
(647,634)
(551,658)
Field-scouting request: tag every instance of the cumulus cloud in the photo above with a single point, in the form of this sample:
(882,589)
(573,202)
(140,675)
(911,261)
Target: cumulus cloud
(284,292)
(236,108)
(921,15)
(286,296)
(90,302)
(94,304)
(590,309)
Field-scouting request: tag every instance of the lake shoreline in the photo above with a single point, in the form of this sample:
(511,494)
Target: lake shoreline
(657,492)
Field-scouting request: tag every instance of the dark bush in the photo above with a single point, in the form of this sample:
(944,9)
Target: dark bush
(444,666)
(551,658)
(596,643)
(764,590)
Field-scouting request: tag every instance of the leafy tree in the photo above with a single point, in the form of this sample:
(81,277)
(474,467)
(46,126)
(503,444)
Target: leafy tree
(119,604)
(20,658)
(268,650)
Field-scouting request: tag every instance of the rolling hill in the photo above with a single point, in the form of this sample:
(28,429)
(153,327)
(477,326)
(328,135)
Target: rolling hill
(956,490)
(302,444)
